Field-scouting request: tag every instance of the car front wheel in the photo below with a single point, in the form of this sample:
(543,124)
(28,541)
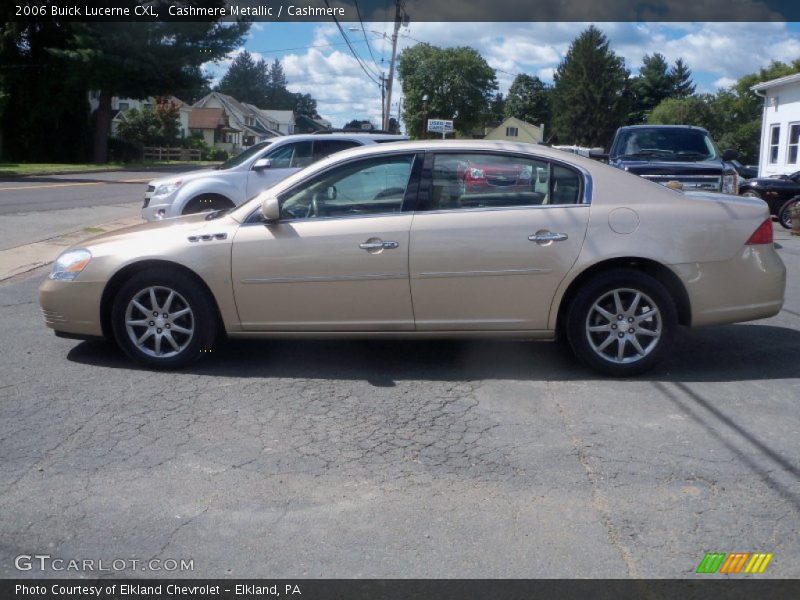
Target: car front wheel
(163,319)
(621,323)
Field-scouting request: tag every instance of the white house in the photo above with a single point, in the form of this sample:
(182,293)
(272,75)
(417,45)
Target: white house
(251,124)
(780,126)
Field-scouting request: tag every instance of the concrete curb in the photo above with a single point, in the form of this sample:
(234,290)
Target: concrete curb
(21,259)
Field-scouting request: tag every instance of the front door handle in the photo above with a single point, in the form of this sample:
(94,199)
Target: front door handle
(377,245)
(547,237)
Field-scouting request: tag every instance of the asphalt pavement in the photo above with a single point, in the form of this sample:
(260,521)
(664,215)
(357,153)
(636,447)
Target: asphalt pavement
(401,459)
(40,207)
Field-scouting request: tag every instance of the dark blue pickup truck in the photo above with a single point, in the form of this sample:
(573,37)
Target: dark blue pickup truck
(674,153)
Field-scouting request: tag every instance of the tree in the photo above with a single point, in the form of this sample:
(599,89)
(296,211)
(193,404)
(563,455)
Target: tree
(681,78)
(246,80)
(159,126)
(694,110)
(589,101)
(497,109)
(142,59)
(459,84)
(529,99)
(44,105)
(651,86)
(305,105)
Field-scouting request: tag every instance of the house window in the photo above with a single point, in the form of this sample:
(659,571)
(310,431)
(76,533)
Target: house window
(774,140)
(512,132)
(123,106)
(794,138)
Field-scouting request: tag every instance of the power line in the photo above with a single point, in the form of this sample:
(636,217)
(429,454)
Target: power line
(276,50)
(352,50)
(364,31)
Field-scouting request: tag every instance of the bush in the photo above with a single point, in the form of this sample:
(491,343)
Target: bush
(120,150)
(218,154)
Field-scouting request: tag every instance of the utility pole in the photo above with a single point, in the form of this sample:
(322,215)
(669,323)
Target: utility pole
(384,120)
(398,21)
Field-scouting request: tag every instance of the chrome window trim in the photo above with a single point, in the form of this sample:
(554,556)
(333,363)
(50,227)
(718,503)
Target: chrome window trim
(497,208)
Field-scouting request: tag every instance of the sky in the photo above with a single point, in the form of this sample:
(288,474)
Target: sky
(317,61)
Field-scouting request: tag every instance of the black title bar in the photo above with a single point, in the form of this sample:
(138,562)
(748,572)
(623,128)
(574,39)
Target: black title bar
(699,588)
(417,10)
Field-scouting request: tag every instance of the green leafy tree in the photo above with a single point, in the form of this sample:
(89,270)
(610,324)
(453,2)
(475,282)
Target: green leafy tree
(681,78)
(497,109)
(529,99)
(589,94)
(246,79)
(694,110)
(143,59)
(158,126)
(459,84)
(305,105)
(42,101)
(651,86)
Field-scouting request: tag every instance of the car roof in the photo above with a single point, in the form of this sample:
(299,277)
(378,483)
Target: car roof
(303,137)
(626,127)
(465,145)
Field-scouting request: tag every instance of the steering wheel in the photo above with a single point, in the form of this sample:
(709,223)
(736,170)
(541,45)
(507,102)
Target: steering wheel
(317,203)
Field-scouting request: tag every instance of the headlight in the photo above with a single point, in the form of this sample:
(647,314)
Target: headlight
(166,189)
(730,183)
(70,263)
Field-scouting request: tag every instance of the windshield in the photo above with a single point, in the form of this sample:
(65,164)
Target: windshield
(244,156)
(664,143)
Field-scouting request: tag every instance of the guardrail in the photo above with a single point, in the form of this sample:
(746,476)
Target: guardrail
(153,153)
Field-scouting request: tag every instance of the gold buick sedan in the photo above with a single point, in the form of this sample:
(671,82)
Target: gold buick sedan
(431,239)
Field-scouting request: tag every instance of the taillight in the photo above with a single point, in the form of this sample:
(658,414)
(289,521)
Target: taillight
(762,235)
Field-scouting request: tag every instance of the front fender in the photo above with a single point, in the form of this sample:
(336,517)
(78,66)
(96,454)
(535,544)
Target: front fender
(233,191)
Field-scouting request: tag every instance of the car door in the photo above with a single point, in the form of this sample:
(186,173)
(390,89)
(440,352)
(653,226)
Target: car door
(337,260)
(284,160)
(493,236)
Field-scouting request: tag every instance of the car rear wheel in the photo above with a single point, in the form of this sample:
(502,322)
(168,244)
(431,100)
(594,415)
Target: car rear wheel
(163,319)
(207,203)
(785,215)
(621,323)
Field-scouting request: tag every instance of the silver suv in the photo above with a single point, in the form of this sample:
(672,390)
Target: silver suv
(247,174)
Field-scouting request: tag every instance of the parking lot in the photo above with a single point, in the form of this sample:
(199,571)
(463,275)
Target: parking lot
(401,459)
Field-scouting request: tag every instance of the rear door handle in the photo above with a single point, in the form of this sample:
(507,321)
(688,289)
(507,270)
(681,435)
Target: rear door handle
(376,245)
(547,237)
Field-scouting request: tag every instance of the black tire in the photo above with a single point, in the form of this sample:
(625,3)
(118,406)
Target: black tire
(202,318)
(752,194)
(207,203)
(784,218)
(599,290)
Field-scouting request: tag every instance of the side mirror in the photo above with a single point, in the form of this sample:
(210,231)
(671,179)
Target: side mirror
(271,209)
(730,154)
(262,163)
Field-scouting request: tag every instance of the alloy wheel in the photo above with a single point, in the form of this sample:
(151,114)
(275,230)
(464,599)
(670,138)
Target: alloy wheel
(623,326)
(159,322)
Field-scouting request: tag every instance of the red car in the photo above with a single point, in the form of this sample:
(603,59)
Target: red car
(488,177)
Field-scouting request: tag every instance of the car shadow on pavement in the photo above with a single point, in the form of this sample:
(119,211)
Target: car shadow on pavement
(726,353)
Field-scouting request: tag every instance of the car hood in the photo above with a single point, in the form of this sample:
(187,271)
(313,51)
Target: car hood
(659,167)
(147,233)
(184,177)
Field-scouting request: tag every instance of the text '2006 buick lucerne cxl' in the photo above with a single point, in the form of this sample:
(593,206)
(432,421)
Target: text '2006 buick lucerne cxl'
(431,239)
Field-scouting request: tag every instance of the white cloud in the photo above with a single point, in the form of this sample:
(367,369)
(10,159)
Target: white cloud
(717,53)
